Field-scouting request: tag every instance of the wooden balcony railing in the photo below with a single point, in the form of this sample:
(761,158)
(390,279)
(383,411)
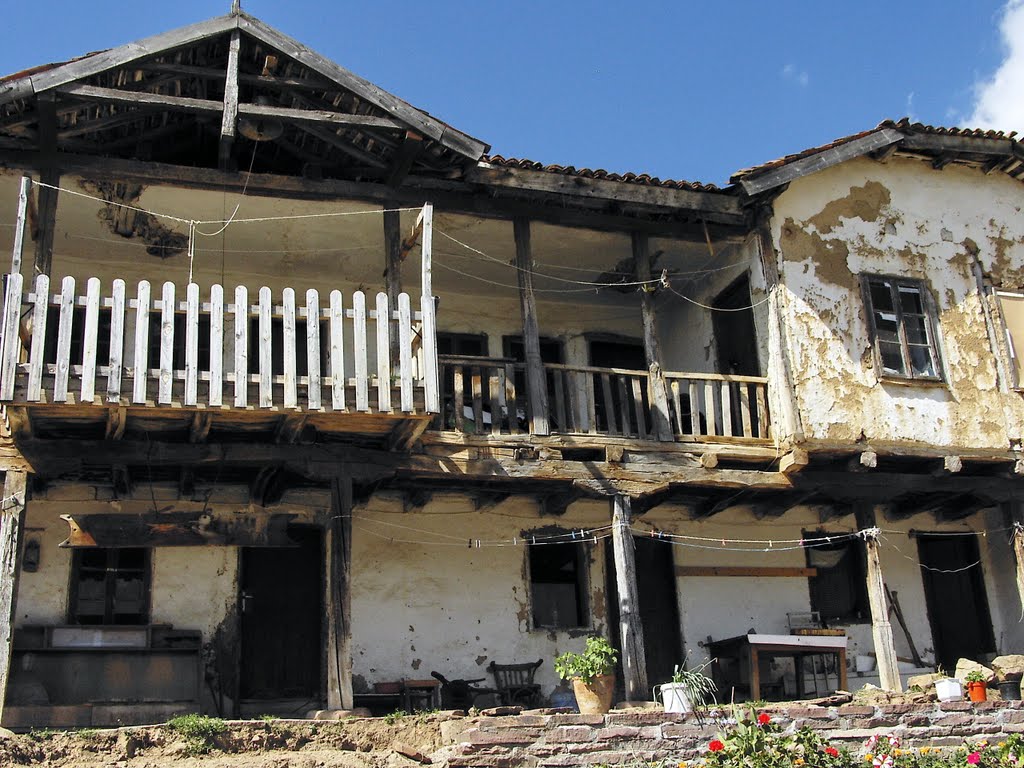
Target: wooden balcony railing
(109,347)
(482,395)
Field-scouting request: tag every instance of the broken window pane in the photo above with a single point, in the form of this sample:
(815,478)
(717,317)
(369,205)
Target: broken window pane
(110,586)
(900,318)
(558,584)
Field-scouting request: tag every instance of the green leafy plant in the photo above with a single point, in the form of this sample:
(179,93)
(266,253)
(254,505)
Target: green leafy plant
(598,658)
(198,730)
(757,742)
(700,689)
(974,676)
(393,717)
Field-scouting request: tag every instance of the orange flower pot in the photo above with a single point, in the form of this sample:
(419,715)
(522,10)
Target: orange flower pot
(977,691)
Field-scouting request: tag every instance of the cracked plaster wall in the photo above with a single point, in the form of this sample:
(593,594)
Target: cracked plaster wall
(901,218)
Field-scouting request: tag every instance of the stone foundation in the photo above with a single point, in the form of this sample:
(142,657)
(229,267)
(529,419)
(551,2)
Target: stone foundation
(634,736)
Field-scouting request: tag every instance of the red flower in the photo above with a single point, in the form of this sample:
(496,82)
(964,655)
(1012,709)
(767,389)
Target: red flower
(831,751)
(974,758)
(764,718)
(716,746)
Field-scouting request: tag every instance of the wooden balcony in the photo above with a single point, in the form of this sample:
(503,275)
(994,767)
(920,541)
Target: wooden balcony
(104,362)
(485,396)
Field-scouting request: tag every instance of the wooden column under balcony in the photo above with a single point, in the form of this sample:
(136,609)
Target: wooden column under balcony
(1016,515)
(393,263)
(12,524)
(881,629)
(631,631)
(661,424)
(339,600)
(536,385)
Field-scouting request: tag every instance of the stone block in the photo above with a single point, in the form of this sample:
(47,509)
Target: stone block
(577,719)
(855,710)
(809,713)
(895,709)
(454,731)
(478,736)
(963,666)
(564,734)
(924,682)
(955,706)
(644,717)
(1010,664)
(517,721)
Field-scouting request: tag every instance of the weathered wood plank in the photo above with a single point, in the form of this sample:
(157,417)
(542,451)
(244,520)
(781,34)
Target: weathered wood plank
(495,388)
(745,410)
(318,117)
(745,571)
(141,98)
(677,402)
(559,392)
(511,399)
(694,409)
(38,348)
(710,411)
(140,373)
(881,629)
(762,410)
(288,326)
(266,337)
(166,382)
(609,404)
(12,526)
(11,347)
(727,429)
(361,362)
(117,332)
(314,383)
(458,397)
(383,354)
(90,339)
(337,324)
(624,410)
(216,389)
(638,406)
(476,384)
(17,251)
(241,346)
(339,603)
(431,384)
(661,426)
(590,396)
(67,314)
(405,352)
(229,119)
(191,344)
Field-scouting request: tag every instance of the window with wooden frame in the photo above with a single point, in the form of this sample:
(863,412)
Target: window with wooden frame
(558,585)
(903,325)
(109,586)
(839,591)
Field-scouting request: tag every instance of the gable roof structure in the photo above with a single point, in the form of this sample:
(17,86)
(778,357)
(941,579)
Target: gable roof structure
(214,79)
(989,150)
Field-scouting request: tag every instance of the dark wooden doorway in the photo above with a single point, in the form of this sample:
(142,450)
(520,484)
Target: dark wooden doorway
(735,338)
(954,590)
(659,610)
(281,599)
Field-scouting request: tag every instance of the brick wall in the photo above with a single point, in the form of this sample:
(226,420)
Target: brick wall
(538,739)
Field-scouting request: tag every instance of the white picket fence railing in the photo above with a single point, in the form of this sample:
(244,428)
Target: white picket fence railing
(58,345)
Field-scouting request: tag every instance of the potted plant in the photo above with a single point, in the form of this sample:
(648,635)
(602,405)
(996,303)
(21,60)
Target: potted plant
(689,689)
(976,685)
(591,673)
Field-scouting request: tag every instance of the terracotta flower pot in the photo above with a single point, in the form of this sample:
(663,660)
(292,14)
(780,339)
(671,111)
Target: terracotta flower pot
(594,698)
(977,691)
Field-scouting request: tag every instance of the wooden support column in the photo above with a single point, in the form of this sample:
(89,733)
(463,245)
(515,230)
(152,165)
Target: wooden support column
(46,216)
(536,381)
(339,602)
(12,524)
(229,120)
(662,425)
(1016,514)
(631,633)
(393,266)
(881,629)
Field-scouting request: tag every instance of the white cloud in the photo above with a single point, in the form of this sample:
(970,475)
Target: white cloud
(998,101)
(799,76)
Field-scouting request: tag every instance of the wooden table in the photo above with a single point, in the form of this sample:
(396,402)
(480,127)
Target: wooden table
(748,650)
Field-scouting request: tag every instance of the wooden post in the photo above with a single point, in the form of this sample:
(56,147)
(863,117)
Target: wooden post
(536,382)
(229,120)
(631,633)
(46,104)
(339,602)
(393,266)
(19,225)
(662,426)
(432,387)
(881,629)
(1016,516)
(12,524)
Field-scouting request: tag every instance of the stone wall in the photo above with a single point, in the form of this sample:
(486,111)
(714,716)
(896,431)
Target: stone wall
(537,739)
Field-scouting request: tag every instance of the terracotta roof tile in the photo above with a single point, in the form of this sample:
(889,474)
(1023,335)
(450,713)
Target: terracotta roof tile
(599,173)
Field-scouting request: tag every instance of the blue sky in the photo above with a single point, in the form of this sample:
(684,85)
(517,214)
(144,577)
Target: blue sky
(681,90)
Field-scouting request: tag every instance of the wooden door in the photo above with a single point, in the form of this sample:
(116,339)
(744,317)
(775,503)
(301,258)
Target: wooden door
(735,337)
(954,588)
(281,602)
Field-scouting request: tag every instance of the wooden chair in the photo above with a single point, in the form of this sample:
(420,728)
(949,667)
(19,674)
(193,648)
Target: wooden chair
(515,683)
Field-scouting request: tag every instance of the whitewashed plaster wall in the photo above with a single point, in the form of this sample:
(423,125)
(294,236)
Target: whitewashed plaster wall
(423,599)
(901,218)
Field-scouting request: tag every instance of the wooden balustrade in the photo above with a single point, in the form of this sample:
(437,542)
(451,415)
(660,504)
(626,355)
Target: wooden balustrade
(599,401)
(159,350)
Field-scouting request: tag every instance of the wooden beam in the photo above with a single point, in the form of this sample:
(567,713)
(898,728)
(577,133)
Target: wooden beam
(343,145)
(662,426)
(412,145)
(951,465)
(881,629)
(820,161)
(20,223)
(199,430)
(1015,511)
(229,121)
(339,598)
(49,174)
(392,221)
(863,461)
(631,631)
(318,117)
(793,461)
(712,206)
(170,528)
(142,98)
(536,382)
(12,525)
(745,571)
(951,144)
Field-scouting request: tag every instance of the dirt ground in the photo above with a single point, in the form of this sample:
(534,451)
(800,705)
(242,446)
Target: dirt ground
(355,743)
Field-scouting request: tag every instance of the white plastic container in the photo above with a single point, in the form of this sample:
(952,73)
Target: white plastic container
(949,689)
(864,663)
(675,698)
